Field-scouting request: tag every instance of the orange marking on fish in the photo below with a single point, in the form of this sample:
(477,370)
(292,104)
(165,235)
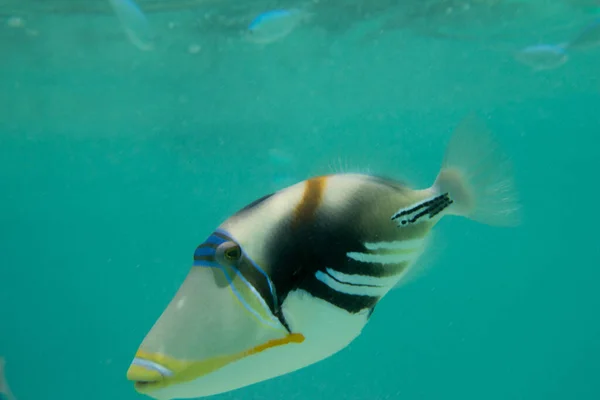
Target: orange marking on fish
(291,338)
(314,189)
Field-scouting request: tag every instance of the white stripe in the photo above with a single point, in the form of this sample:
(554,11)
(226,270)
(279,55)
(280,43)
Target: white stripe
(383,258)
(349,289)
(151,365)
(397,245)
(386,281)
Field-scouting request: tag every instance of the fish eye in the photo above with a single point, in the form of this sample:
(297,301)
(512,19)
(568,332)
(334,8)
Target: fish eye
(229,252)
(233,253)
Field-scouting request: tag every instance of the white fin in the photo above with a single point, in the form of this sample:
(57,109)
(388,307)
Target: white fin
(342,166)
(4,389)
(477,176)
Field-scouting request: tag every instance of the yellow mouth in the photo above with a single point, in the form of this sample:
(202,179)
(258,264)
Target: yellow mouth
(149,379)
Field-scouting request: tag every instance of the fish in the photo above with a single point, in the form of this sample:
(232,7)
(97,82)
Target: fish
(543,56)
(293,277)
(5,392)
(587,38)
(134,23)
(551,56)
(274,25)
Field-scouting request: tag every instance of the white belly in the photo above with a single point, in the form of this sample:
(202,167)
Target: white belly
(326,328)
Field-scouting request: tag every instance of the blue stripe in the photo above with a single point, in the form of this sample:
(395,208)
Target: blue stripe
(258,296)
(206,264)
(241,299)
(204,251)
(208,251)
(268,278)
(213,239)
(267,16)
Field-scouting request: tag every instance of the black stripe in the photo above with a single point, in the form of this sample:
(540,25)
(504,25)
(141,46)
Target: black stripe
(350,283)
(297,252)
(371,312)
(430,207)
(221,236)
(376,270)
(411,210)
(209,245)
(261,284)
(253,205)
(204,258)
(349,302)
(207,257)
(246,268)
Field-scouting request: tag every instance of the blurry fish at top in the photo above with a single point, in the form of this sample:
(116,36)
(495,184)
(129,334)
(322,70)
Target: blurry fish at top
(543,56)
(274,25)
(550,56)
(134,23)
(5,393)
(587,38)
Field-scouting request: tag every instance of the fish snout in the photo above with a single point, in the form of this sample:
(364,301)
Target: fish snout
(147,374)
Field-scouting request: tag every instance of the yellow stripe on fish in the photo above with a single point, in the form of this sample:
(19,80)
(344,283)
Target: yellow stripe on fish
(185,371)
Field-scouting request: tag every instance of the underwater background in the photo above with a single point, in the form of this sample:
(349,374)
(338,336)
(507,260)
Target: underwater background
(116,162)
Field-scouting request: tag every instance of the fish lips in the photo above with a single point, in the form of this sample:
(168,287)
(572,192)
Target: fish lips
(146,374)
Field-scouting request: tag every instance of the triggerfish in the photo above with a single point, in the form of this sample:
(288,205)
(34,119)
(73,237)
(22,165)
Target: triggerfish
(294,277)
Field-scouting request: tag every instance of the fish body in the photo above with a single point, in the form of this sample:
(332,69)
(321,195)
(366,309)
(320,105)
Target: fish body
(274,25)
(269,16)
(134,23)
(5,392)
(543,56)
(293,277)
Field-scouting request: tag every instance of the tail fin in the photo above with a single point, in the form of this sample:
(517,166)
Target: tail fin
(477,176)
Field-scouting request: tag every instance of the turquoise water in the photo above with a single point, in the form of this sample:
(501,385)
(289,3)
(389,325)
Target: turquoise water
(116,163)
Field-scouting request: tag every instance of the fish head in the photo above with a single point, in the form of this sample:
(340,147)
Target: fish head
(225,311)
